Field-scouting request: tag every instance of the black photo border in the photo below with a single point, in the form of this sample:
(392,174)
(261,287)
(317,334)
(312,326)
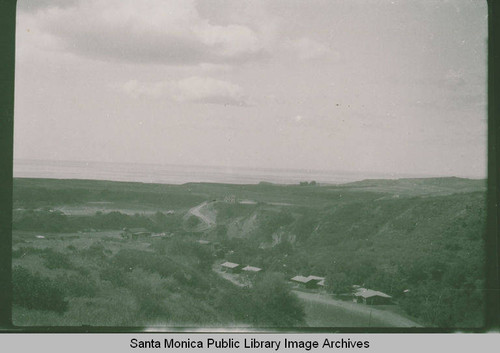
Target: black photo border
(492,242)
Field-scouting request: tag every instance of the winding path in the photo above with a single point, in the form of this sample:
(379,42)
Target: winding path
(206,217)
(323,311)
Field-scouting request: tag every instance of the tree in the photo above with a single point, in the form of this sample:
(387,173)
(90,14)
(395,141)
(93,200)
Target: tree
(274,304)
(338,283)
(33,291)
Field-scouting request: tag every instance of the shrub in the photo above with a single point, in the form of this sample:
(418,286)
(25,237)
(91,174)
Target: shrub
(55,259)
(113,274)
(71,248)
(77,285)
(33,291)
(273,304)
(193,221)
(96,250)
(17,253)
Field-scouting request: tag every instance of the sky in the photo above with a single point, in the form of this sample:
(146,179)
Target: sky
(394,87)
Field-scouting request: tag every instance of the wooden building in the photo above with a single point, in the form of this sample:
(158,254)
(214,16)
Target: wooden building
(371,297)
(251,270)
(231,267)
(309,282)
(320,281)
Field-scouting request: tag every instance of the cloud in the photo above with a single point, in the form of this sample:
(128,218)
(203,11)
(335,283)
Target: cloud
(307,49)
(37,5)
(203,90)
(169,32)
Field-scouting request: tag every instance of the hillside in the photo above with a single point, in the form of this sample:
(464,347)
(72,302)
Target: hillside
(418,240)
(419,187)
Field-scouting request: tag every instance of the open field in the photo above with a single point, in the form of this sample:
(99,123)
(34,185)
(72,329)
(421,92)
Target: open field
(77,260)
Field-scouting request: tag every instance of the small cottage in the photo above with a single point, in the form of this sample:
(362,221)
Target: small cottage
(371,297)
(251,270)
(231,267)
(309,282)
(305,282)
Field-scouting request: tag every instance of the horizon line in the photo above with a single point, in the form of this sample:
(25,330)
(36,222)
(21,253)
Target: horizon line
(368,175)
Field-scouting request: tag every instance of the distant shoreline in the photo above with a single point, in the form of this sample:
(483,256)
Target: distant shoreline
(262,183)
(179,175)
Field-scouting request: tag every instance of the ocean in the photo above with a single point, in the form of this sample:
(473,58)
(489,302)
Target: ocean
(178,174)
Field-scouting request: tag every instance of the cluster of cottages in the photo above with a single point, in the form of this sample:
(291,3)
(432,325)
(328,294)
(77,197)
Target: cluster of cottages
(237,268)
(359,294)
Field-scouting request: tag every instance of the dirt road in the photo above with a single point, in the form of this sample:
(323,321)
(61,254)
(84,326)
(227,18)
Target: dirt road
(207,216)
(323,311)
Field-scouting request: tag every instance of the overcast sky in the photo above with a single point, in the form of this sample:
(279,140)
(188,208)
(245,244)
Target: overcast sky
(342,85)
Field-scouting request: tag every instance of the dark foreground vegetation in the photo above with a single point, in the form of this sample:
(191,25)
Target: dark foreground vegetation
(142,287)
(420,241)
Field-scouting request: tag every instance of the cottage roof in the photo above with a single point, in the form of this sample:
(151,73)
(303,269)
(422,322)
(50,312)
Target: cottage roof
(229,264)
(251,269)
(368,293)
(301,279)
